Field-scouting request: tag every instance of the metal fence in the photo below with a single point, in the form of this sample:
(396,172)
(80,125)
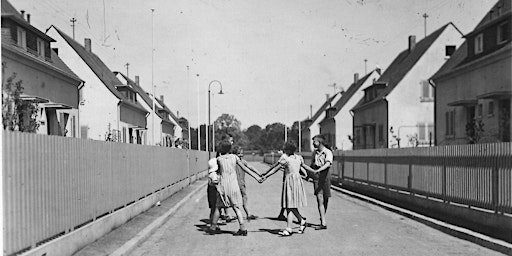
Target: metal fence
(53,185)
(478,175)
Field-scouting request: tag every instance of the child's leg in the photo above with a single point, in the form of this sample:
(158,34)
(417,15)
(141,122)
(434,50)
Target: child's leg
(239,216)
(215,218)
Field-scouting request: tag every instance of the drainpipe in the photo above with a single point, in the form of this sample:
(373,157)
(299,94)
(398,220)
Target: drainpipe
(431,82)
(119,116)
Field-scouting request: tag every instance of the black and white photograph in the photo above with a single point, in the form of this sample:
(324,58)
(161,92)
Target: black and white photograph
(256,127)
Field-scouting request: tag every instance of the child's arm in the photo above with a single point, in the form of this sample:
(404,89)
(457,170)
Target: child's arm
(249,171)
(250,167)
(276,167)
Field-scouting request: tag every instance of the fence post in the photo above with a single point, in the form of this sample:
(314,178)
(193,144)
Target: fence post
(443,181)
(409,179)
(495,188)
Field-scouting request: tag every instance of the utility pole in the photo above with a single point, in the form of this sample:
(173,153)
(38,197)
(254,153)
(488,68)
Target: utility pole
(127,65)
(73,20)
(333,87)
(152,78)
(425,15)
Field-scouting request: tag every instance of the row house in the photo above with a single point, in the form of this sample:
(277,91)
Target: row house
(398,109)
(166,126)
(473,88)
(108,109)
(337,123)
(46,80)
(311,125)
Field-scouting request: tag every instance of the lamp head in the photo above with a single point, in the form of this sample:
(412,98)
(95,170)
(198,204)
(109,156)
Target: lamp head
(221,92)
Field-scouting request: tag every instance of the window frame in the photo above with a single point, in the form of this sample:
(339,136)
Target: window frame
(21,37)
(499,33)
(479,43)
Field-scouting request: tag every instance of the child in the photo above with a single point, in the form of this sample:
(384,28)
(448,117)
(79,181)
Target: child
(241,180)
(293,194)
(228,190)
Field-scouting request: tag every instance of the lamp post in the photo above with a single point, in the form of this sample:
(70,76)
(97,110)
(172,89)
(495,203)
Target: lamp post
(209,114)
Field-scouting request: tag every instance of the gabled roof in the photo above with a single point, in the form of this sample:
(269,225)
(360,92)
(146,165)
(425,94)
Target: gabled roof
(99,68)
(8,11)
(347,95)
(148,99)
(321,110)
(402,64)
(173,116)
(458,58)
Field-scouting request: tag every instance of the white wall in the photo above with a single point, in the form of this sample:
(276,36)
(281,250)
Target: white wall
(404,106)
(98,107)
(344,120)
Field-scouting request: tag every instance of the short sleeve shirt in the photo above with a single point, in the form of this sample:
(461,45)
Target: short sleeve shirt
(322,157)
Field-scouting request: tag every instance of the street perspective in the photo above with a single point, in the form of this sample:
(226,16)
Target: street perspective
(256,127)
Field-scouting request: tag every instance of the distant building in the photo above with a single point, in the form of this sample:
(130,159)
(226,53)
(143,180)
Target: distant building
(45,78)
(167,128)
(398,109)
(473,89)
(311,127)
(109,110)
(338,121)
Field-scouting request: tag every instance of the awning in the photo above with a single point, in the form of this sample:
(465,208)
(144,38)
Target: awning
(33,99)
(462,103)
(496,95)
(55,105)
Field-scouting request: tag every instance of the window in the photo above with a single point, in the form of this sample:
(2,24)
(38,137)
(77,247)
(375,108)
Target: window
(450,123)
(40,47)
(479,43)
(479,110)
(503,32)
(490,110)
(381,132)
(421,131)
(498,11)
(22,38)
(427,92)
(449,50)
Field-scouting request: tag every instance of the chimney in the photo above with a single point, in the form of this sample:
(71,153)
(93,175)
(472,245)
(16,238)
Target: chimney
(87,44)
(137,80)
(326,96)
(310,111)
(412,43)
(22,14)
(178,114)
(28,18)
(356,77)
(161,98)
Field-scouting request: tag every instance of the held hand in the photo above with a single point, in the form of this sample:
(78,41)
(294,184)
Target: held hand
(262,179)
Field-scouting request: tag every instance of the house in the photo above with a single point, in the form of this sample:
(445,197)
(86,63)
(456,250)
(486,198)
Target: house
(398,109)
(167,128)
(108,109)
(473,88)
(46,80)
(337,123)
(310,127)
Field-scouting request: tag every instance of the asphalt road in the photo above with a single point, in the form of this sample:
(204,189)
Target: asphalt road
(354,228)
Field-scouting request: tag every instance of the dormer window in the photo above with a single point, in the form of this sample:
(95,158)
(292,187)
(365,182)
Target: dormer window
(503,32)
(479,43)
(40,47)
(22,38)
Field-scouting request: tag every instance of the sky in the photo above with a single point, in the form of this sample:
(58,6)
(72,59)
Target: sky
(274,58)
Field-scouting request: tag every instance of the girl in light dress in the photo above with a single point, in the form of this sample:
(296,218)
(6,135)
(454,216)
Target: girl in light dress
(228,190)
(293,194)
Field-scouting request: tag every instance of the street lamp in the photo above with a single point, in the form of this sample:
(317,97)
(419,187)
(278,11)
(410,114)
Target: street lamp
(209,114)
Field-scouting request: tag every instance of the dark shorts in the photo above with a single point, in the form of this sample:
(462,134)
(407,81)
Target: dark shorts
(212,196)
(323,184)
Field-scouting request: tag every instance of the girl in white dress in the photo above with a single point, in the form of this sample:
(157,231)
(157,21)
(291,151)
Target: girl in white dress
(293,193)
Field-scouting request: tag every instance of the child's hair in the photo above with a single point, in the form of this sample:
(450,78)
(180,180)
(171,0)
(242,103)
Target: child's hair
(289,147)
(320,138)
(236,149)
(224,147)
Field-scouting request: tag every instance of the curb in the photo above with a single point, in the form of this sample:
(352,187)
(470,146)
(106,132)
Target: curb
(456,231)
(127,247)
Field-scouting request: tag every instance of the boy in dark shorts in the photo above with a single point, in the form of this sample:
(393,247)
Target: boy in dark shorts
(321,175)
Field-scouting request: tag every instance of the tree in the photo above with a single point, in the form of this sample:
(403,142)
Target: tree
(227,123)
(474,131)
(17,114)
(253,134)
